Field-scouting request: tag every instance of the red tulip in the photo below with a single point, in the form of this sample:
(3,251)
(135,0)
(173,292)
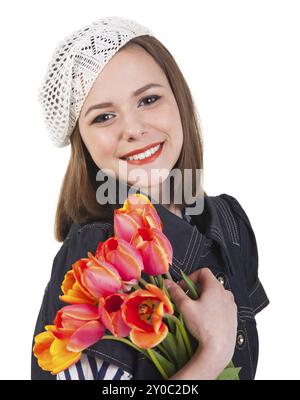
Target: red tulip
(143,311)
(110,314)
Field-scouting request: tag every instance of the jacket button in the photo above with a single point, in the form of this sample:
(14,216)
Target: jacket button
(240,340)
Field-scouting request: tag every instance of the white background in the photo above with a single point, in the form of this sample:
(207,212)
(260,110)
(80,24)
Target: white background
(241,61)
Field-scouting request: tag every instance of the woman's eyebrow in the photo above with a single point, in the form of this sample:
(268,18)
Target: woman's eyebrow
(134,94)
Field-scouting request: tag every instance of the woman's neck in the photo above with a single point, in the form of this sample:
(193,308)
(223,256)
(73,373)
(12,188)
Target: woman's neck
(175,210)
(155,195)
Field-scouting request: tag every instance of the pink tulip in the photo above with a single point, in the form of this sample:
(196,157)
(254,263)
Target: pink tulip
(80,325)
(155,248)
(100,277)
(137,212)
(124,257)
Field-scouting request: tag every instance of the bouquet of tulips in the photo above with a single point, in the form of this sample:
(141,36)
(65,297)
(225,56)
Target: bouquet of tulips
(106,291)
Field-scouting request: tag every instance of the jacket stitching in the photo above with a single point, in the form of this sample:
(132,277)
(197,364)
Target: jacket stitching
(187,250)
(109,356)
(195,254)
(190,255)
(224,216)
(255,289)
(229,220)
(260,306)
(248,347)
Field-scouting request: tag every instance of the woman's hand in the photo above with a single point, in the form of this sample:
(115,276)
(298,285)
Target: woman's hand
(211,319)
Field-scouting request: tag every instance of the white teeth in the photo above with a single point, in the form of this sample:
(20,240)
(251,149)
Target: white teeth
(146,154)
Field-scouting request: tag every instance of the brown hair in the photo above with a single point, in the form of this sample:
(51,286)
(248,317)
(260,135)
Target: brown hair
(77,200)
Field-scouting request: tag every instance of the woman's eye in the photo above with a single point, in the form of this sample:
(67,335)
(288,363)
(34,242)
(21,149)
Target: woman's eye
(101,118)
(151,97)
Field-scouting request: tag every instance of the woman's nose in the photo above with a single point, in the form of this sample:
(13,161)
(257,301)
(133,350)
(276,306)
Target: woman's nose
(133,129)
(131,135)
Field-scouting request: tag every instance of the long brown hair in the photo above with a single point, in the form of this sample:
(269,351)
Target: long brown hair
(77,199)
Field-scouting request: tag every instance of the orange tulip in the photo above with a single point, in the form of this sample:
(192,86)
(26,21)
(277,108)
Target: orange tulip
(110,314)
(88,280)
(73,292)
(143,311)
(52,353)
(136,212)
(155,248)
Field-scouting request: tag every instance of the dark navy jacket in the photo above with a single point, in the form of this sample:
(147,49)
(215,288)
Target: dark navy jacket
(220,238)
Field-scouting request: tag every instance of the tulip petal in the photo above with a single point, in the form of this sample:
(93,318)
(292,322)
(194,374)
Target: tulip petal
(100,281)
(151,218)
(61,363)
(100,262)
(125,226)
(157,317)
(85,336)
(78,268)
(156,291)
(62,358)
(51,353)
(133,310)
(80,311)
(125,258)
(110,314)
(161,239)
(120,328)
(153,257)
(148,340)
(73,293)
(42,342)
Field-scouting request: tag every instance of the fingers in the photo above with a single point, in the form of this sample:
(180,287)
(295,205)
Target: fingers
(177,293)
(203,276)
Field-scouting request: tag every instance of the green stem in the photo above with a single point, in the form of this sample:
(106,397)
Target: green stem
(126,341)
(183,332)
(164,351)
(160,281)
(143,282)
(157,364)
(136,287)
(152,280)
(169,276)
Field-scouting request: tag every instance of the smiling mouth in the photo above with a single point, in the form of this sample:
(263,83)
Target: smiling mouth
(146,156)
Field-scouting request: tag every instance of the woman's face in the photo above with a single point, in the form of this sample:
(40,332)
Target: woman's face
(132,122)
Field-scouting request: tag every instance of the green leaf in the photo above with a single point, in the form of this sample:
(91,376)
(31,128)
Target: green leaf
(172,326)
(193,292)
(182,354)
(164,289)
(229,374)
(165,367)
(230,365)
(170,344)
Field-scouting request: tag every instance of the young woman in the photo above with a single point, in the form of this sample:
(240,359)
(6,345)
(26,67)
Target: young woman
(134,111)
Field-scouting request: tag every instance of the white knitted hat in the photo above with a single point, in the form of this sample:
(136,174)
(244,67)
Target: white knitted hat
(73,68)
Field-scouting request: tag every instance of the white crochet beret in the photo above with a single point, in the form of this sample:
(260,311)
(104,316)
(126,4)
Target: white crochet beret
(73,68)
